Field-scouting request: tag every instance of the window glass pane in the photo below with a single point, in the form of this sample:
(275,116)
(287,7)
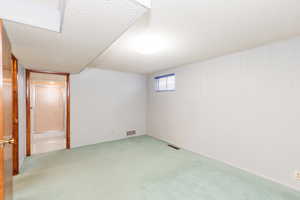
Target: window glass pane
(162,83)
(157,84)
(171,83)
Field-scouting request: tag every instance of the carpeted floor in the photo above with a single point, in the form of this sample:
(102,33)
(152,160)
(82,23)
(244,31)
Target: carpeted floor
(139,168)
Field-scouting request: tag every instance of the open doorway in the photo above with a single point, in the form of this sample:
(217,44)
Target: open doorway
(48,118)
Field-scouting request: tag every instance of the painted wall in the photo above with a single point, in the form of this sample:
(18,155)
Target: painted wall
(105,104)
(243,109)
(22,115)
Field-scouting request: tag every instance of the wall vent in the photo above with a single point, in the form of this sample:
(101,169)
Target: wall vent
(173,146)
(132,132)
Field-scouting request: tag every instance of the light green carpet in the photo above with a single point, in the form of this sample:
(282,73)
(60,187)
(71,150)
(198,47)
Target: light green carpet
(140,168)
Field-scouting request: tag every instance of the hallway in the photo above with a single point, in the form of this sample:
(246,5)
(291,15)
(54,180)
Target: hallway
(47,142)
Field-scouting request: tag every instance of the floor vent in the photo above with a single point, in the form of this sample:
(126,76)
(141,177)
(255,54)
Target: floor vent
(129,133)
(174,147)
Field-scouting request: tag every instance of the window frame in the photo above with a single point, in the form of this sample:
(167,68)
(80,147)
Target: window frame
(157,78)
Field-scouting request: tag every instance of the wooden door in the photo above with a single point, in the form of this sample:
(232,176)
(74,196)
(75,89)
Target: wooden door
(6,123)
(48,103)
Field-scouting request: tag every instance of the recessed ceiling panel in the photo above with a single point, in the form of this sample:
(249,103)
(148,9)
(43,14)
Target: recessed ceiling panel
(89,27)
(46,14)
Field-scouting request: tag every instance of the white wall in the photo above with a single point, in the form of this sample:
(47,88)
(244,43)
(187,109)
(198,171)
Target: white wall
(243,109)
(22,114)
(105,104)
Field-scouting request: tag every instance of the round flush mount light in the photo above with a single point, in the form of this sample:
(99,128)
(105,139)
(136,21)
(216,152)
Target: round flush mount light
(149,44)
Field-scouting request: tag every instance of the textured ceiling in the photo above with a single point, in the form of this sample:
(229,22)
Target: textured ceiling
(194,30)
(89,27)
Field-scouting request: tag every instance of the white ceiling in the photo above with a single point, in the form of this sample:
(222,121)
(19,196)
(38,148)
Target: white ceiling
(89,27)
(178,32)
(47,14)
(195,30)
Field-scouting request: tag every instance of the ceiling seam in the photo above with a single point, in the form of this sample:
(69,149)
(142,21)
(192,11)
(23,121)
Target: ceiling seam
(107,48)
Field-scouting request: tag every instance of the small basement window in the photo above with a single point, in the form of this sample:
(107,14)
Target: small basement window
(165,83)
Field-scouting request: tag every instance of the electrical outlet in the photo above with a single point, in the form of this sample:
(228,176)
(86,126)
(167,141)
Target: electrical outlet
(129,133)
(297,175)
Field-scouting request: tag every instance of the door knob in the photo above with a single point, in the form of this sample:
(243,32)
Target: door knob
(8,141)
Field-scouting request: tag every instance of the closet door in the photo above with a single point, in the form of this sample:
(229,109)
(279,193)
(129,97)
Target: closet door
(48,108)
(6,122)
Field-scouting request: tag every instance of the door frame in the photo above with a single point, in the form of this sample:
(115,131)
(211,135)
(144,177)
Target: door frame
(28,110)
(15,114)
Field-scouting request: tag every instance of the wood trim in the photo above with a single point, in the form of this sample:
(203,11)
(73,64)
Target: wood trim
(28,120)
(48,72)
(2,158)
(15,116)
(68,128)
(28,110)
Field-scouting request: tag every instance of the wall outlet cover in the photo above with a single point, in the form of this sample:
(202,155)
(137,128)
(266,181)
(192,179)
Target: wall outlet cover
(297,175)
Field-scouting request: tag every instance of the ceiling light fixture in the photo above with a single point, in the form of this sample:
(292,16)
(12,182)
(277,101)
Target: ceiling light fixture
(148,44)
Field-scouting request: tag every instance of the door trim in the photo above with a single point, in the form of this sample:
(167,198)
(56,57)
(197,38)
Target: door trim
(28,120)
(28,110)
(15,115)
(68,120)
